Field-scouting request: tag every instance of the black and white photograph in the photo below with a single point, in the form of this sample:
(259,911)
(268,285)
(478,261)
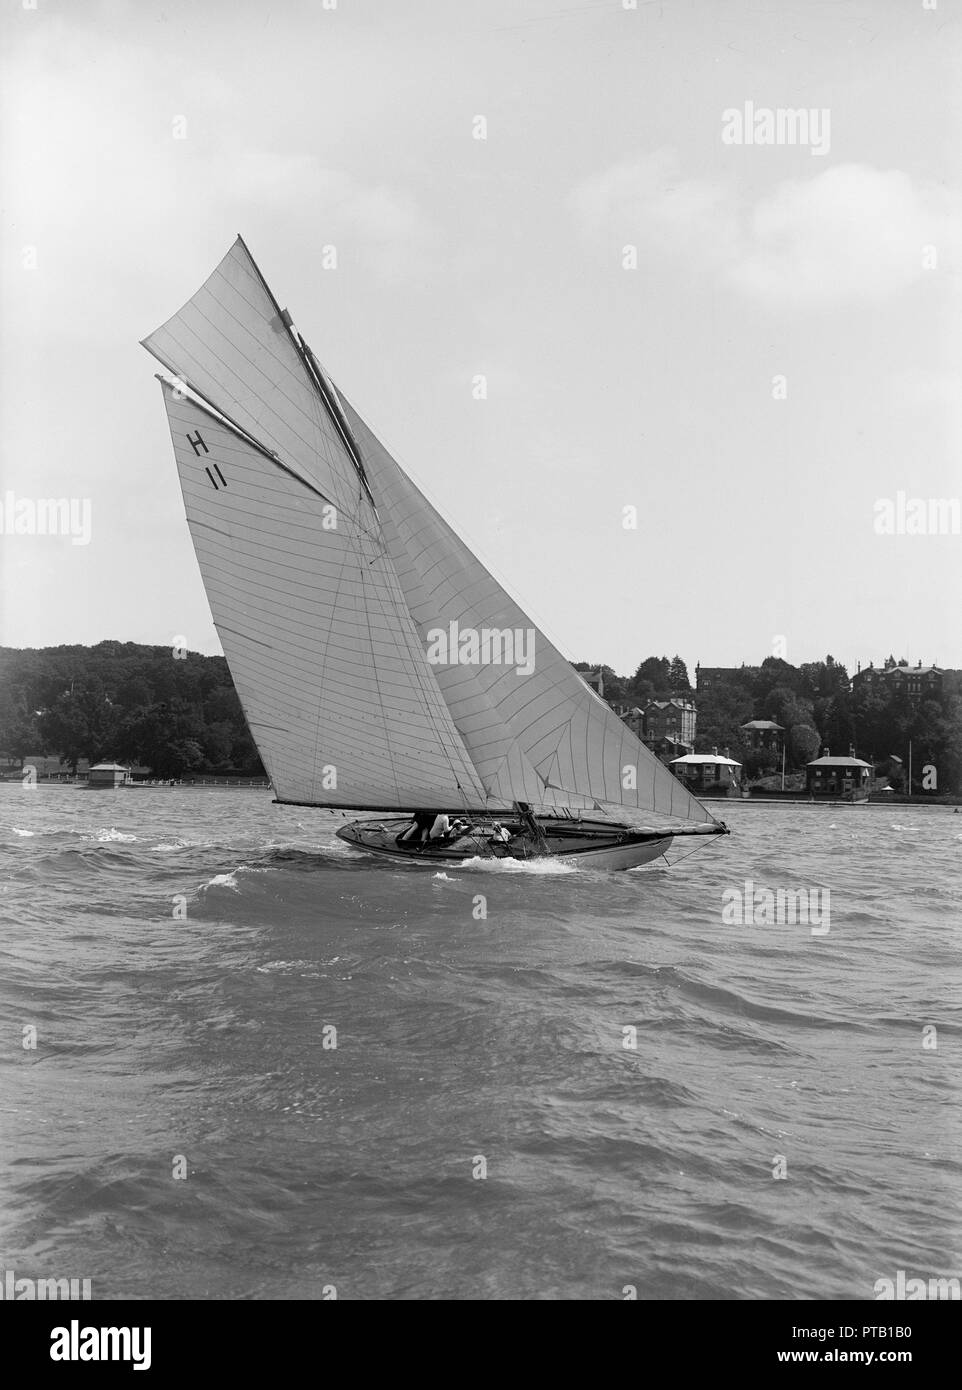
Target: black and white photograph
(480,666)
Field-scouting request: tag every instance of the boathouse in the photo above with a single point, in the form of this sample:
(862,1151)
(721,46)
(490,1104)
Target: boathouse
(108,775)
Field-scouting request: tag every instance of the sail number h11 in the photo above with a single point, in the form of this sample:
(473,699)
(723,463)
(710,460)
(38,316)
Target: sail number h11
(196,442)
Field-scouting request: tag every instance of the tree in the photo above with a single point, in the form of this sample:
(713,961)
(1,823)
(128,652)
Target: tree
(804,743)
(722,710)
(774,673)
(127,701)
(678,676)
(824,678)
(757,761)
(19,729)
(654,670)
(616,687)
(784,707)
(82,723)
(641,692)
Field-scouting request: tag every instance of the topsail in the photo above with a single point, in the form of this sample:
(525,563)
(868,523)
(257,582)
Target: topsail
(379,664)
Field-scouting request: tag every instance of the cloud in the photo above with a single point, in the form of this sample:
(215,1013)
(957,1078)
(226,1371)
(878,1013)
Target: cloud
(851,233)
(378,226)
(650,202)
(928,390)
(106,183)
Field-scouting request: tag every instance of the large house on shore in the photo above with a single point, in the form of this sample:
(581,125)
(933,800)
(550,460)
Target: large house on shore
(666,726)
(707,676)
(911,683)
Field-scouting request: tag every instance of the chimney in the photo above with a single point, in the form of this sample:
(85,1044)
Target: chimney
(714,752)
(826,753)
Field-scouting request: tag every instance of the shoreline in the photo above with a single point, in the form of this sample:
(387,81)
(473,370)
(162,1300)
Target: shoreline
(223,784)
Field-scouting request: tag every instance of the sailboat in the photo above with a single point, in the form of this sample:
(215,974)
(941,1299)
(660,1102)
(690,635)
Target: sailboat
(380,666)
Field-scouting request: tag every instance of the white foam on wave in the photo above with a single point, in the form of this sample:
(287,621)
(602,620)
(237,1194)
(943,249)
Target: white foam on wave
(222,881)
(306,968)
(17,831)
(515,866)
(106,836)
(230,880)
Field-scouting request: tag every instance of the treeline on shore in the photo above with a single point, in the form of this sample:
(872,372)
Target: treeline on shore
(171,713)
(176,713)
(816,706)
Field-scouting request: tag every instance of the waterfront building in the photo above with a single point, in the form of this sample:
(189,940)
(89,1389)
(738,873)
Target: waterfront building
(827,776)
(708,773)
(108,775)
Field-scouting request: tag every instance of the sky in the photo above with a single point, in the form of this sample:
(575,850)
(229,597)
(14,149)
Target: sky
(755,346)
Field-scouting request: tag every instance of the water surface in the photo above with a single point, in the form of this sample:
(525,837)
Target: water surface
(184,956)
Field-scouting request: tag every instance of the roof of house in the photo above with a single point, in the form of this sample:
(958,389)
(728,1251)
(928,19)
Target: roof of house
(837,762)
(109,767)
(763,724)
(692,758)
(898,671)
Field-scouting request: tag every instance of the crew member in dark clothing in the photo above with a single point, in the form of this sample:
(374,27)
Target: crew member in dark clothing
(419,829)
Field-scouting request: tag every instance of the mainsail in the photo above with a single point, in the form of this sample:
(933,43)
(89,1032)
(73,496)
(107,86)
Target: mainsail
(379,664)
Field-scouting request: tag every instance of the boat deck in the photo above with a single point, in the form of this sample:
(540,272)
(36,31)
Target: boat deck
(561,838)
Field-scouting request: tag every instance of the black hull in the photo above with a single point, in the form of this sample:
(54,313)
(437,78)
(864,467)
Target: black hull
(595,844)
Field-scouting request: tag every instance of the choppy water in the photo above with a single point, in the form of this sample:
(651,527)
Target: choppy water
(461,1038)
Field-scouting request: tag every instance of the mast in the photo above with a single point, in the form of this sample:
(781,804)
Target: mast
(318,381)
(329,397)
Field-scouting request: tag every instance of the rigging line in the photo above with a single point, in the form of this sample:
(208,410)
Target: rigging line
(460,534)
(702,844)
(323,655)
(315,377)
(363,567)
(316,421)
(330,397)
(434,701)
(222,304)
(353,547)
(363,570)
(199,401)
(404,625)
